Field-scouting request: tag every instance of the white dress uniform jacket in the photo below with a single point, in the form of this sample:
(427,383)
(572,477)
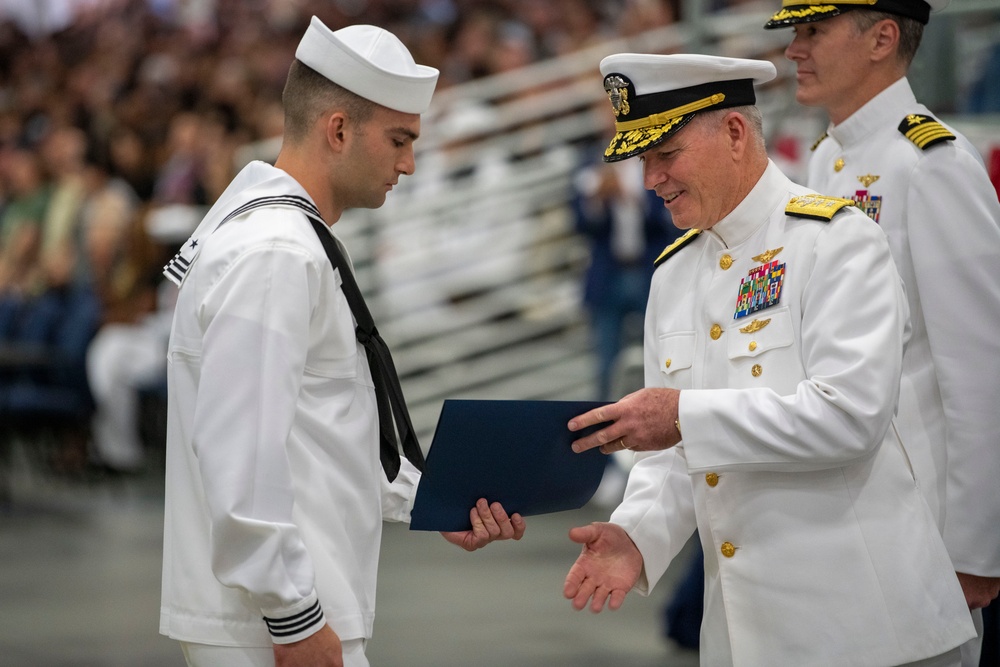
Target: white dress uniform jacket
(819,550)
(942,217)
(274,491)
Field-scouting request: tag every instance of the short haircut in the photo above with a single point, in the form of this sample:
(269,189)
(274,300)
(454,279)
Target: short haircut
(753,116)
(910,30)
(308,95)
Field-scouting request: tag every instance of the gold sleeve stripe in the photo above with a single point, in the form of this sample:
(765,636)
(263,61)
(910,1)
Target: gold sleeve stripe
(931,133)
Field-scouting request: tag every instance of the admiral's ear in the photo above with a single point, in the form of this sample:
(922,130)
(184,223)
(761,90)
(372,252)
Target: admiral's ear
(738,132)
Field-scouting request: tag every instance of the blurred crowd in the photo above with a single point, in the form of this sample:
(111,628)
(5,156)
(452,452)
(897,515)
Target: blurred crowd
(114,110)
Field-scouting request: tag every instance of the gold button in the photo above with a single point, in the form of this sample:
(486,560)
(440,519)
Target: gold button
(728,550)
(839,164)
(753,345)
(712,479)
(725,262)
(715,332)
(756,370)
(667,363)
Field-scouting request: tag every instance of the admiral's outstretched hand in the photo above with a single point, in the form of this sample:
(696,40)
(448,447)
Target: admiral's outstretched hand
(607,568)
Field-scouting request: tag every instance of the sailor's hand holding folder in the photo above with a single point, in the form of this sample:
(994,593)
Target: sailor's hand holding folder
(489,523)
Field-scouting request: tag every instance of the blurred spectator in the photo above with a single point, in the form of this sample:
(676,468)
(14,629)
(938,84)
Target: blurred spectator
(42,308)
(105,216)
(984,94)
(640,15)
(21,224)
(180,179)
(471,44)
(129,159)
(628,227)
(513,48)
(128,353)
(581,24)
(39,17)
(63,152)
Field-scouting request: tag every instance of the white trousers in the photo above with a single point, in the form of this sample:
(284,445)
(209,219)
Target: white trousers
(205,655)
(972,649)
(121,357)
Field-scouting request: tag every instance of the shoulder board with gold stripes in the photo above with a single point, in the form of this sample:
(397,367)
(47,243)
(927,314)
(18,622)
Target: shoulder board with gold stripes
(672,249)
(924,131)
(819,141)
(816,207)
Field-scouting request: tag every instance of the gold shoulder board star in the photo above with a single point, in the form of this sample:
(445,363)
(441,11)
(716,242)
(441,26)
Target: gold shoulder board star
(868,179)
(767,255)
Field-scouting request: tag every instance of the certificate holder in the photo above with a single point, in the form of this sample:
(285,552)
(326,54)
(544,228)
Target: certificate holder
(517,453)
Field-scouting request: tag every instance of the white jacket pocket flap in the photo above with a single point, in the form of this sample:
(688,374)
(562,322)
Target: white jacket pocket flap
(675,351)
(752,337)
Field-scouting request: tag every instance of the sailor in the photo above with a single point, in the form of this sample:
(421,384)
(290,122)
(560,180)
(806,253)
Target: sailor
(283,404)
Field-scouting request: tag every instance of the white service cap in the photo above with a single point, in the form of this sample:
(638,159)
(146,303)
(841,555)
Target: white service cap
(654,96)
(371,62)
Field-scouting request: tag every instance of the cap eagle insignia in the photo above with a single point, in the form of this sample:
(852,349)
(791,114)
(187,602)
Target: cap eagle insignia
(617,91)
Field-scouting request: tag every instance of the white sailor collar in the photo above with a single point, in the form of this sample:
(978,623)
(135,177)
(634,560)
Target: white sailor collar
(255,181)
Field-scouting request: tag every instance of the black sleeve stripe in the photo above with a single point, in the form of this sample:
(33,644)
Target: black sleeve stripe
(284,627)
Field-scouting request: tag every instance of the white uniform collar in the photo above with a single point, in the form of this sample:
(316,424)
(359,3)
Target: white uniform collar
(879,111)
(256,180)
(770,192)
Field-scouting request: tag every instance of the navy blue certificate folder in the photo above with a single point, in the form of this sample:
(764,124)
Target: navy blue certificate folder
(513,452)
